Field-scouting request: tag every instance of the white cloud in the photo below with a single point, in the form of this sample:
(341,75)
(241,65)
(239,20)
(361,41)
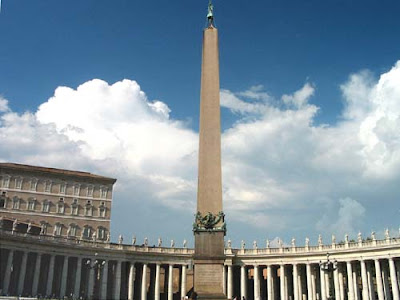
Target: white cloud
(281,172)
(4,105)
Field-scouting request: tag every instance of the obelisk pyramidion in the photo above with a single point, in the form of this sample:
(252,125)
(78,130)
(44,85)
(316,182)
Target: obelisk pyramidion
(209,226)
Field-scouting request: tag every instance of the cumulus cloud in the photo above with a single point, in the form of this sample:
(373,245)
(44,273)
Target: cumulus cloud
(3,105)
(282,174)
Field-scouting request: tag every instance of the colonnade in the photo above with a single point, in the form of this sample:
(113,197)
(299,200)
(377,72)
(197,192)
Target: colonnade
(371,279)
(91,277)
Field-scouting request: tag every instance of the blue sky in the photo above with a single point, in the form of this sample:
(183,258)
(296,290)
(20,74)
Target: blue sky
(334,54)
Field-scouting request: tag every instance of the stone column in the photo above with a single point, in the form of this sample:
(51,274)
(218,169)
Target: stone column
(379,285)
(327,285)
(7,275)
(323,286)
(295,283)
(224,280)
(256,283)
(243,282)
(131,280)
(22,272)
(91,281)
(371,286)
(336,284)
(269,283)
(230,282)
(36,274)
(117,287)
(300,282)
(170,282)
(49,287)
(144,283)
(183,282)
(350,281)
(393,279)
(341,282)
(64,277)
(356,287)
(77,286)
(104,279)
(157,283)
(310,292)
(283,282)
(385,277)
(364,279)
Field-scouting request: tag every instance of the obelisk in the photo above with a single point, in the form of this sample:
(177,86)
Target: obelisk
(209,226)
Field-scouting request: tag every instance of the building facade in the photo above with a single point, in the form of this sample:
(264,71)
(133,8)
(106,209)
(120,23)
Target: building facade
(44,265)
(56,202)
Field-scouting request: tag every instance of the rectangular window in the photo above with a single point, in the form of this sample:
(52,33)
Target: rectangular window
(57,229)
(63,187)
(6,182)
(74,210)
(16,202)
(103,192)
(87,232)
(89,209)
(102,212)
(46,206)
(60,208)
(90,191)
(72,230)
(76,189)
(101,234)
(31,205)
(18,183)
(47,187)
(33,184)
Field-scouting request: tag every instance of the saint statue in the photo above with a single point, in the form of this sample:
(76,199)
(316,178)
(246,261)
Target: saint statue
(210,14)
(120,239)
(255,245)
(319,240)
(159,242)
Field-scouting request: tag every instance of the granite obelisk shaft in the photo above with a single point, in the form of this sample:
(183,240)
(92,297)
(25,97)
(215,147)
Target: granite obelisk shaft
(209,246)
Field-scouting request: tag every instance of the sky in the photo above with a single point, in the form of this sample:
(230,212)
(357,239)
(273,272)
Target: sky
(310,107)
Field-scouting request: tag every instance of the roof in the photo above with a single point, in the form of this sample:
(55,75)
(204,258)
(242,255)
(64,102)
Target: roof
(63,172)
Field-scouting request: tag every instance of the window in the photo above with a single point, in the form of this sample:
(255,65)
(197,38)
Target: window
(18,183)
(16,202)
(87,232)
(63,187)
(33,184)
(88,209)
(3,200)
(31,204)
(46,206)
(57,229)
(103,192)
(43,227)
(71,232)
(74,207)
(76,189)
(6,182)
(102,210)
(90,190)
(61,206)
(101,233)
(47,186)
